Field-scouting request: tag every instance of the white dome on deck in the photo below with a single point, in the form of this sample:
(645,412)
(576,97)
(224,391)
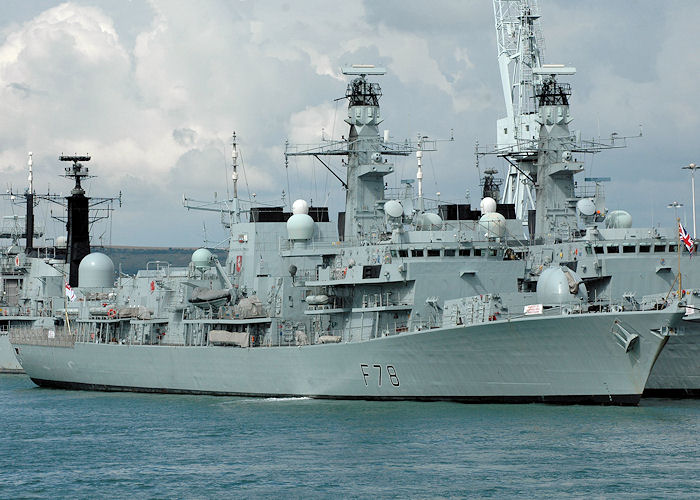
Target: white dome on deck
(96,270)
(201,258)
(618,219)
(487,205)
(300,227)
(428,221)
(300,207)
(494,224)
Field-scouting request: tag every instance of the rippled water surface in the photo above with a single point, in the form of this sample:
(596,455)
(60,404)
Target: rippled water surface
(85,444)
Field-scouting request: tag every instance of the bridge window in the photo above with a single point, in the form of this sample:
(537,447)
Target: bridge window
(370,272)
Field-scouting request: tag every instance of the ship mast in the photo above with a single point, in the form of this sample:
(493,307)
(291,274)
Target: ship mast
(366,155)
(419,176)
(29,221)
(556,166)
(520,46)
(78,224)
(366,167)
(234,176)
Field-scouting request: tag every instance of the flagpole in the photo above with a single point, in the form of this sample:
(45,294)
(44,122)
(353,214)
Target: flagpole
(692,167)
(65,305)
(680,286)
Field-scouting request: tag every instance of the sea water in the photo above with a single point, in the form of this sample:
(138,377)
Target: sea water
(56,443)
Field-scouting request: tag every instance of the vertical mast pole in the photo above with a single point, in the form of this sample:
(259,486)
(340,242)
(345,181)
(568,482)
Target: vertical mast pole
(419,175)
(234,177)
(29,220)
(680,278)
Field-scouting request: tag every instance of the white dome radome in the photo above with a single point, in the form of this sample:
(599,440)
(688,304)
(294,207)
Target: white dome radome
(300,207)
(96,270)
(494,224)
(300,227)
(393,208)
(618,219)
(201,258)
(427,221)
(487,205)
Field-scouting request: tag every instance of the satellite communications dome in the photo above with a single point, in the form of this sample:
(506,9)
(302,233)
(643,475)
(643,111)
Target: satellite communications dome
(487,205)
(201,258)
(618,219)
(494,223)
(96,270)
(428,221)
(300,227)
(300,207)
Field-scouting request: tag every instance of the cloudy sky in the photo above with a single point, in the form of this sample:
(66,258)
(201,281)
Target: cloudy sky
(154,89)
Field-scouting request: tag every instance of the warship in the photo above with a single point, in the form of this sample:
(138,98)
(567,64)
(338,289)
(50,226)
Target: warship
(31,275)
(612,257)
(11,263)
(14,267)
(394,300)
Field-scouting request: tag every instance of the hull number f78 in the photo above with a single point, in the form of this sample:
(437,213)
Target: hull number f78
(380,373)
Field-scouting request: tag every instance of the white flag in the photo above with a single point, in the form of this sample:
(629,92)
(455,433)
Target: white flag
(70,293)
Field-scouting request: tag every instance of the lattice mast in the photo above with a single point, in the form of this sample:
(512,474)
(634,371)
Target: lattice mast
(520,47)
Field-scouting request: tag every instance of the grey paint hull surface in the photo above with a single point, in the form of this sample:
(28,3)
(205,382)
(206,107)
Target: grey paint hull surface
(560,359)
(8,361)
(677,371)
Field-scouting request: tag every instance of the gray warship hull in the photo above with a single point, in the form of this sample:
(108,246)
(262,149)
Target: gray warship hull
(394,302)
(677,371)
(528,360)
(8,361)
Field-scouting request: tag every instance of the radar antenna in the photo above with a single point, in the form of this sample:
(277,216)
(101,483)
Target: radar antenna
(76,171)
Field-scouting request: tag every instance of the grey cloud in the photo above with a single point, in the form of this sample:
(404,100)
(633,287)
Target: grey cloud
(185,136)
(157,103)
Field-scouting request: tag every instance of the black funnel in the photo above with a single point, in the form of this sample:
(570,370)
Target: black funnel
(78,225)
(29,223)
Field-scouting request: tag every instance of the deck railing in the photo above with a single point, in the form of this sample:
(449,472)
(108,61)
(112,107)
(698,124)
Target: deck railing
(42,336)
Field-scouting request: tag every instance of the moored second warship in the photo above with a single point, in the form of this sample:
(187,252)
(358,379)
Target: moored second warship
(613,257)
(395,301)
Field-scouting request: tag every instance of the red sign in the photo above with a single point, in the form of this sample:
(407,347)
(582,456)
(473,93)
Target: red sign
(239,263)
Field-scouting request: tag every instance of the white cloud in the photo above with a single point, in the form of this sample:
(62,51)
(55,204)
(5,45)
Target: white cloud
(155,100)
